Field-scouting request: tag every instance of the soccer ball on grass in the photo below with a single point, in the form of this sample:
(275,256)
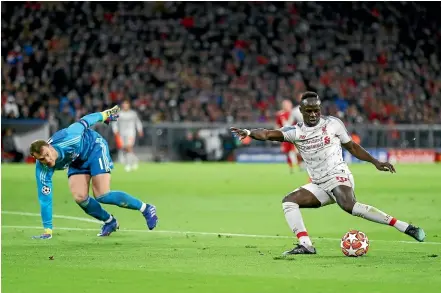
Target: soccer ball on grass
(354,243)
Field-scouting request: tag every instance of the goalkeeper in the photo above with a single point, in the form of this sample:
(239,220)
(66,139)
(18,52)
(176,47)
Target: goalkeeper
(86,155)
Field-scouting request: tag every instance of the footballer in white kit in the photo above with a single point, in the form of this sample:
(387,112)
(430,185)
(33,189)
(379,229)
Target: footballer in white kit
(321,149)
(125,130)
(319,141)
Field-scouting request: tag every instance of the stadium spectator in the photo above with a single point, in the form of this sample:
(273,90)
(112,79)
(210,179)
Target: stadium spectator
(10,108)
(9,149)
(375,62)
(192,148)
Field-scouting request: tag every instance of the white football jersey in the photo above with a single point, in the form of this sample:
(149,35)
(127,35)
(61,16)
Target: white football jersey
(128,123)
(296,116)
(320,146)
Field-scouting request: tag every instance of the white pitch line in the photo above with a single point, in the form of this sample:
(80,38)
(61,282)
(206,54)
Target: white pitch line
(56,228)
(180,232)
(158,231)
(54,216)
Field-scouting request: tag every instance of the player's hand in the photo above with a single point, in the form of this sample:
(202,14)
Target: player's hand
(241,133)
(111,114)
(141,134)
(385,166)
(47,234)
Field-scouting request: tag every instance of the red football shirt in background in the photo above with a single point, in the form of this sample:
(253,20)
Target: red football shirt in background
(281,118)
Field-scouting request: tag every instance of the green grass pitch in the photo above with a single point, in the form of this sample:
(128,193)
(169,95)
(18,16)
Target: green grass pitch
(220,198)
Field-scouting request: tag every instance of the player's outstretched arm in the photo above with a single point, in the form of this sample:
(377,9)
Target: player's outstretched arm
(355,149)
(91,119)
(360,153)
(139,126)
(259,134)
(43,175)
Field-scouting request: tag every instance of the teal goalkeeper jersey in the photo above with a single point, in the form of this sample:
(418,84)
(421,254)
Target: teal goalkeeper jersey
(72,144)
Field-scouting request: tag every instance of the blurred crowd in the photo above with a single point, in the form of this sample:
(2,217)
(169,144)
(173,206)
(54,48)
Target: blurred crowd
(371,62)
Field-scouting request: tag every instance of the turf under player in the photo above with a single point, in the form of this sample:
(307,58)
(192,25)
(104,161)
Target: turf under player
(282,120)
(319,140)
(125,130)
(86,154)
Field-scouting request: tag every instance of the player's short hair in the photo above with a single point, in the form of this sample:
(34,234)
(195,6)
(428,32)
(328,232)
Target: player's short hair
(35,147)
(307,95)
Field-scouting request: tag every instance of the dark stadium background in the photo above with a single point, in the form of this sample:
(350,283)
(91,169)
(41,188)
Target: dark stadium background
(192,70)
(201,67)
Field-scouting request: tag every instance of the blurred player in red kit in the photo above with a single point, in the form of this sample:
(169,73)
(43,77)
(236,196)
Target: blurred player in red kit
(284,118)
(296,117)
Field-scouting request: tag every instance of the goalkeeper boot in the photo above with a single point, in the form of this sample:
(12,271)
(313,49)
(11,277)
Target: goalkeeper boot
(150,216)
(109,228)
(47,234)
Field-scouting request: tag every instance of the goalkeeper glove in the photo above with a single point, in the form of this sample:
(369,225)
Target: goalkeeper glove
(111,114)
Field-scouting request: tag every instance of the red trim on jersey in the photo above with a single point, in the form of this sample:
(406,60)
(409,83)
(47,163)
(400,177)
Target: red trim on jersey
(301,234)
(392,222)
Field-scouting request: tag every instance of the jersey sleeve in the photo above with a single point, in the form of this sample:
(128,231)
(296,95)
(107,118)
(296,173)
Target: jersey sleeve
(341,131)
(43,175)
(84,123)
(289,133)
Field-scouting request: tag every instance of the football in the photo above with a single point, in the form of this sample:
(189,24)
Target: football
(354,243)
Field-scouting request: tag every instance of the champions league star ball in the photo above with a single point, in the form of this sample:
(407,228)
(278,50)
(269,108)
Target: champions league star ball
(354,243)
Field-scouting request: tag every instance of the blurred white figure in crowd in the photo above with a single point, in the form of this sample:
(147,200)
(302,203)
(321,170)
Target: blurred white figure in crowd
(125,130)
(11,108)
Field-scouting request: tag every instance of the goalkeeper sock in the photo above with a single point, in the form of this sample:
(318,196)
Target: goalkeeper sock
(94,209)
(295,222)
(122,199)
(375,215)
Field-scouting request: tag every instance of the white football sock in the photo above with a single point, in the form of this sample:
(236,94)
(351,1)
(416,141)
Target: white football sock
(132,159)
(135,158)
(375,215)
(109,220)
(295,222)
(292,155)
(122,156)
